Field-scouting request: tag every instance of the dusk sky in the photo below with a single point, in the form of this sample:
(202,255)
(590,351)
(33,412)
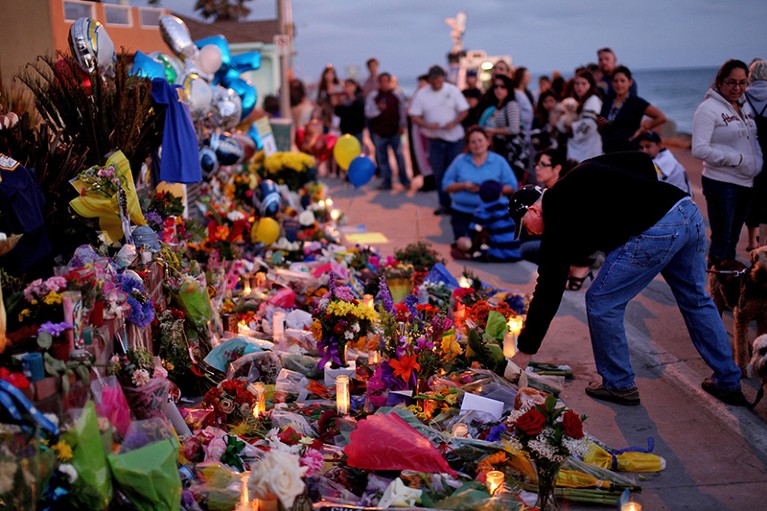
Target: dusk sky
(408,36)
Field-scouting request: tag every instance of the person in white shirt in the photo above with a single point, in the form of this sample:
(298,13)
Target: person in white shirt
(667,166)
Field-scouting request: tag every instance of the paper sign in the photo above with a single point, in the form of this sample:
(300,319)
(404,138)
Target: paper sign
(367,238)
(482,404)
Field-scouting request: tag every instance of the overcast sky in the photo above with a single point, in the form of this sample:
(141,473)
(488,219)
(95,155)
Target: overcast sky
(408,36)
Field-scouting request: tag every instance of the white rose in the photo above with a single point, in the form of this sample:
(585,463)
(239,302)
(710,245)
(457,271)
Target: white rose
(278,473)
(399,495)
(306,218)
(233,216)
(70,471)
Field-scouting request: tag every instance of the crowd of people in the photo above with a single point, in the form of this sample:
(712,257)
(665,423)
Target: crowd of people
(494,127)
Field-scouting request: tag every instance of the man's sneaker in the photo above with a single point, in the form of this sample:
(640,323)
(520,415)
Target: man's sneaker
(626,397)
(731,397)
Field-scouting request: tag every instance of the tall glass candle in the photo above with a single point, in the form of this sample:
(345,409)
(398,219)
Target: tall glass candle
(278,326)
(342,395)
(494,481)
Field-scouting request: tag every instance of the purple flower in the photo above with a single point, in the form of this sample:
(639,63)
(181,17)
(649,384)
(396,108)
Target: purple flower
(55,329)
(141,313)
(384,296)
(411,301)
(424,344)
(153,217)
(495,433)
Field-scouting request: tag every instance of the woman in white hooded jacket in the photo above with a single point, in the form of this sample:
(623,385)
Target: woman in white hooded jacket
(724,137)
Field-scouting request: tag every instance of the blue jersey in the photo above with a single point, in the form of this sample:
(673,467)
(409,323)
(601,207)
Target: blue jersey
(493,219)
(179,162)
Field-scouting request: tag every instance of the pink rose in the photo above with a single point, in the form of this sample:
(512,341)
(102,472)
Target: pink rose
(313,460)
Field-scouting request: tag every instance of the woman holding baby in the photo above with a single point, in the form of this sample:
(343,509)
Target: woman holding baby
(579,120)
(624,116)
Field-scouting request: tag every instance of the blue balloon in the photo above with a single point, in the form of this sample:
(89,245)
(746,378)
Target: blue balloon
(146,66)
(268,198)
(227,148)
(361,171)
(247,94)
(208,162)
(255,137)
(248,61)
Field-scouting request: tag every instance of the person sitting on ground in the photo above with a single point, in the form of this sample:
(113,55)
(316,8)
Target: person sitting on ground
(490,237)
(668,167)
(467,172)
(615,203)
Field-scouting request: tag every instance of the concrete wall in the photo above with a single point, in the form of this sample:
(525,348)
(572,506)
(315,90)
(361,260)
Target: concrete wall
(26,33)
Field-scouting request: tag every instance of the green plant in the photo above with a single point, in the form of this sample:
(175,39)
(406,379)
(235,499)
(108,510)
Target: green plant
(419,254)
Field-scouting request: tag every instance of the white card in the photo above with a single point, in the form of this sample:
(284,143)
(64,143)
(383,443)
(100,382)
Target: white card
(482,404)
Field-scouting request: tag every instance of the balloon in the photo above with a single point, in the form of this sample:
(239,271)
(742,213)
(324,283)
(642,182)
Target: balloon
(255,136)
(220,42)
(199,93)
(247,94)
(228,149)
(226,107)
(209,59)
(345,150)
(176,35)
(247,144)
(146,66)
(267,198)
(266,231)
(361,171)
(92,47)
(248,61)
(208,162)
(173,67)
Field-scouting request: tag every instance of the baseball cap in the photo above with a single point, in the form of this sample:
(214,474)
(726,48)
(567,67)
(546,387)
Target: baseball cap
(520,202)
(648,136)
(490,190)
(435,72)
(471,72)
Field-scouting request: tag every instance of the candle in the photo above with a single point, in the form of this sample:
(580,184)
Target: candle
(278,326)
(373,357)
(367,301)
(246,290)
(460,430)
(244,504)
(72,304)
(464,282)
(631,506)
(342,394)
(509,345)
(329,201)
(494,481)
(335,214)
(259,406)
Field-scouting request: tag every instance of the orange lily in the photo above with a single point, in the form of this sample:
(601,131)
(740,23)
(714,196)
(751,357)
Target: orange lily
(405,366)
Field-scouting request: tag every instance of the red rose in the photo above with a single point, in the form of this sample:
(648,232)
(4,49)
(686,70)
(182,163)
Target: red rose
(531,423)
(572,424)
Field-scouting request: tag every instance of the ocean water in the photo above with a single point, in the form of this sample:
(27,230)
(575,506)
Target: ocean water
(677,92)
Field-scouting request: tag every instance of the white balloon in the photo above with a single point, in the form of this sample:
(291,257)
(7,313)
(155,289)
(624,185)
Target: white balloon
(199,93)
(209,60)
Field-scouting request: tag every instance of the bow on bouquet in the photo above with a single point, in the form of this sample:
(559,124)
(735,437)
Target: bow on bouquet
(99,189)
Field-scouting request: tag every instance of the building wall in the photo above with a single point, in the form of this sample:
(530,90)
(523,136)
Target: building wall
(26,33)
(265,79)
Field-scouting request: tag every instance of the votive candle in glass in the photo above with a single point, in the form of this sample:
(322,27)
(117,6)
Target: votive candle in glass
(342,395)
(631,506)
(278,326)
(494,481)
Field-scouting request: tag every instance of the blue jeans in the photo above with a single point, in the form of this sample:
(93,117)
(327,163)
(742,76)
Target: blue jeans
(728,205)
(674,247)
(441,155)
(382,158)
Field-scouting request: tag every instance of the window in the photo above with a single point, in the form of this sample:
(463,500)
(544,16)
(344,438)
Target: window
(117,15)
(150,17)
(74,10)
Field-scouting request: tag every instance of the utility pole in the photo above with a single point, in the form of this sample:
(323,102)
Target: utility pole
(285,21)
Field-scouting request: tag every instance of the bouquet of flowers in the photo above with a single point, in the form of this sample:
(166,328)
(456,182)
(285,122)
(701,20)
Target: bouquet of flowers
(225,231)
(144,384)
(339,318)
(420,255)
(232,400)
(292,169)
(142,307)
(547,434)
(43,302)
(399,278)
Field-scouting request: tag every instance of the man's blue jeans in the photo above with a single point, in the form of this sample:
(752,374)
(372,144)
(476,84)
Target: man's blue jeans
(382,145)
(674,247)
(441,155)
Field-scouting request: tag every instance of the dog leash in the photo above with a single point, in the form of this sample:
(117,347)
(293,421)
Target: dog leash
(759,396)
(737,273)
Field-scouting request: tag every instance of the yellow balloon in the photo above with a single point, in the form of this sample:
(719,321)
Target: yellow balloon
(345,150)
(266,231)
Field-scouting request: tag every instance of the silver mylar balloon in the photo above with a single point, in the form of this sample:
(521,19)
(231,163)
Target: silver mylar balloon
(226,107)
(176,35)
(92,47)
(208,162)
(198,94)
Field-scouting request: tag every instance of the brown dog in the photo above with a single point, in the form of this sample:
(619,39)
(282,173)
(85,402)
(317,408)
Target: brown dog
(742,290)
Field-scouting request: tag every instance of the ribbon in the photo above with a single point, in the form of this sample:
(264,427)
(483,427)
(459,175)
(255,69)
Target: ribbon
(614,452)
(15,402)
(328,351)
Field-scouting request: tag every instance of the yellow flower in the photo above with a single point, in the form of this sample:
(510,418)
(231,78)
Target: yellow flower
(450,347)
(63,451)
(52,298)
(317,330)
(24,314)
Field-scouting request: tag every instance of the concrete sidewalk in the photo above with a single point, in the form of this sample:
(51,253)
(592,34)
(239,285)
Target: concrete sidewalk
(716,454)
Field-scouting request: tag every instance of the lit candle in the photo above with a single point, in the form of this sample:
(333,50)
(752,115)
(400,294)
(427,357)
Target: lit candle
(373,357)
(246,290)
(460,430)
(510,338)
(494,481)
(367,301)
(245,504)
(631,506)
(329,201)
(335,214)
(342,395)
(259,406)
(278,326)
(464,282)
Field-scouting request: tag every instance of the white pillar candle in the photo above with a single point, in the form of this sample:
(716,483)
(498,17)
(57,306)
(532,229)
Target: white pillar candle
(342,395)
(373,357)
(245,504)
(278,326)
(494,481)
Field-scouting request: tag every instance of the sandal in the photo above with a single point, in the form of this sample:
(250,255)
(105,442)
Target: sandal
(576,283)
(626,397)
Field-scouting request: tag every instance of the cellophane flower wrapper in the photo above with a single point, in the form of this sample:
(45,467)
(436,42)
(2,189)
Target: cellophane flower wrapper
(220,357)
(148,400)
(25,467)
(220,487)
(148,476)
(263,366)
(88,455)
(111,403)
(194,301)
(405,447)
